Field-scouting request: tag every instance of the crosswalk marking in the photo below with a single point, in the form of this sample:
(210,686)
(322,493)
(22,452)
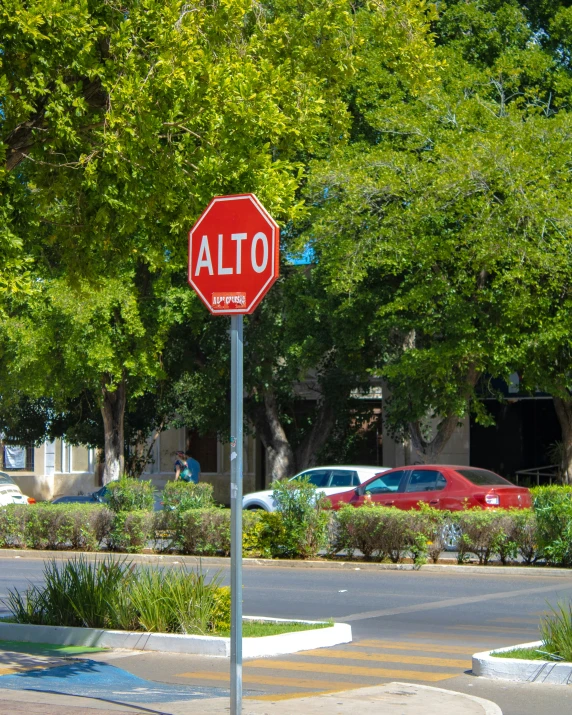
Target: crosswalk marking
(292,696)
(351,670)
(260,679)
(404,645)
(511,619)
(476,638)
(491,629)
(389,658)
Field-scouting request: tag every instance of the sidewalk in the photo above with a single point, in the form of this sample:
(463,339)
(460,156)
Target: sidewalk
(391,699)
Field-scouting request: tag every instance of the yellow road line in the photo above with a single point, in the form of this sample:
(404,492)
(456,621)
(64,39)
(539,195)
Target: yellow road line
(12,669)
(293,696)
(388,658)
(470,640)
(422,647)
(514,620)
(351,670)
(258,678)
(491,629)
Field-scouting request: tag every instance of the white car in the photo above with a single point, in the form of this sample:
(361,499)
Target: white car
(10,492)
(330,480)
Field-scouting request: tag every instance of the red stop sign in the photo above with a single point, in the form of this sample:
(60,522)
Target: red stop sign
(233,254)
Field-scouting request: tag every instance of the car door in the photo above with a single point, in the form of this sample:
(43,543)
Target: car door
(383,490)
(423,485)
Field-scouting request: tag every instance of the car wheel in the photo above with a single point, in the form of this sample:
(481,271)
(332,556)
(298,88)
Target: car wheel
(450,536)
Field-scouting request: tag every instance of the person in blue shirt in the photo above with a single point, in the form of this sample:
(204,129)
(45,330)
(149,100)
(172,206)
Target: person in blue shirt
(186,468)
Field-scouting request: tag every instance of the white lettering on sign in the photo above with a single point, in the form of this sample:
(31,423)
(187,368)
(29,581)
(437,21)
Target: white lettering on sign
(222,271)
(239,238)
(259,267)
(204,260)
(225,300)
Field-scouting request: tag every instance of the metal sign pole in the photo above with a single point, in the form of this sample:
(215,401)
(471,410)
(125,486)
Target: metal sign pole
(236,394)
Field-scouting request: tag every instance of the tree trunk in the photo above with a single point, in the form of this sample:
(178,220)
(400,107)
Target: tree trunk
(429,450)
(113,413)
(283,460)
(563,409)
(266,420)
(314,441)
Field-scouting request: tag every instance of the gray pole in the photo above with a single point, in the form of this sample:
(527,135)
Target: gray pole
(236,393)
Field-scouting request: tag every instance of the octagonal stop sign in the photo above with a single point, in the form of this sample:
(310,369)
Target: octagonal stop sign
(233,254)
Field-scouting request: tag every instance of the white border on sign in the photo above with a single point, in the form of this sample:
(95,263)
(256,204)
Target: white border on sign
(273,226)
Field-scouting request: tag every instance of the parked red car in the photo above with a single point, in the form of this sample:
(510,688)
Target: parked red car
(443,487)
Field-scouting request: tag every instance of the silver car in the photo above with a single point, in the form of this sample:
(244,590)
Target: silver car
(329,480)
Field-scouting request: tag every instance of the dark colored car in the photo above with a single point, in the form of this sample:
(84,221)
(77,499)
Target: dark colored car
(98,497)
(440,486)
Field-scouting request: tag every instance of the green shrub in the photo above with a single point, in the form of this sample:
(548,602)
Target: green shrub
(112,593)
(131,531)
(182,496)
(128,494)
(378,532)
(430,522)
(556,630)
(301,528)
(553,510)
(525,534)
(201,532)
(13,526)
(54,526)
(485,533)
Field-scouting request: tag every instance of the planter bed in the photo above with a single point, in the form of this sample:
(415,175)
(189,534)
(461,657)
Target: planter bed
(261,647)
(519,670)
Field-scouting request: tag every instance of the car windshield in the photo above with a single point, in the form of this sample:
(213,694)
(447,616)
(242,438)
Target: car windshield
(317,477)
(6,479)
(484,478)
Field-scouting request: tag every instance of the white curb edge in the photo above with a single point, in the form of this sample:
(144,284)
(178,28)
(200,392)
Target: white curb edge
(265,646)
(522,671)
(488,706)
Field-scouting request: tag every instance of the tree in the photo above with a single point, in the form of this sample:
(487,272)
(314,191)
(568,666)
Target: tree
(118,125)
(428,223)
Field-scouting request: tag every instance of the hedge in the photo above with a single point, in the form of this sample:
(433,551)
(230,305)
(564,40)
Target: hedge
(302,530)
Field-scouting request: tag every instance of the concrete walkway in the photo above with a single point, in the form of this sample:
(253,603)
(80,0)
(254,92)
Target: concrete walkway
(391,699)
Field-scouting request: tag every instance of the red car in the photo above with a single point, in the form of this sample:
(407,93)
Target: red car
(440,486)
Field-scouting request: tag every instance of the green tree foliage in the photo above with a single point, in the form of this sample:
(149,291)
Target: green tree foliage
(445,224)
(119,124)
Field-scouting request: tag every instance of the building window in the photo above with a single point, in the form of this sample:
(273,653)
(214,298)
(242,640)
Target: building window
(16,458)
(204,448)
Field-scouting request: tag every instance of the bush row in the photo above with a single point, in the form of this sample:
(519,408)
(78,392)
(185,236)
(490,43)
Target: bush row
(301,528)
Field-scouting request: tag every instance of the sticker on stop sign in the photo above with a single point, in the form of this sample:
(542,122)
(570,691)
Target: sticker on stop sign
(233,254)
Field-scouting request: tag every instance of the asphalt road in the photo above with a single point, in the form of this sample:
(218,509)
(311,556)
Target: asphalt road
(407,626)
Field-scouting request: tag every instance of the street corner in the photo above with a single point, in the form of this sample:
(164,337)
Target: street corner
(91,679)
(12,663)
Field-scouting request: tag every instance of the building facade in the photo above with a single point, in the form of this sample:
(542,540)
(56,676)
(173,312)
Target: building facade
(56,468)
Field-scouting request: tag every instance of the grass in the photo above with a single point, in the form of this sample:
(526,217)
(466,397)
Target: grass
(47,648)
(258,629)
(522,654)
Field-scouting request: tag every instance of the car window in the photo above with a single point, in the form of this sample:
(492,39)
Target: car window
(482,477)
(386,484)
(317,477)
(425,480)
(342,478)
(6,479)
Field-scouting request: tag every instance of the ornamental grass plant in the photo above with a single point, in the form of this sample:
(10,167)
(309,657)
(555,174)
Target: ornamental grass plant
(117,594)
(556,630)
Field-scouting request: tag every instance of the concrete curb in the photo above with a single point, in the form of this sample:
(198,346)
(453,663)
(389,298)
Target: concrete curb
(488,706)
(522,671)
(222,561)
(265,646)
